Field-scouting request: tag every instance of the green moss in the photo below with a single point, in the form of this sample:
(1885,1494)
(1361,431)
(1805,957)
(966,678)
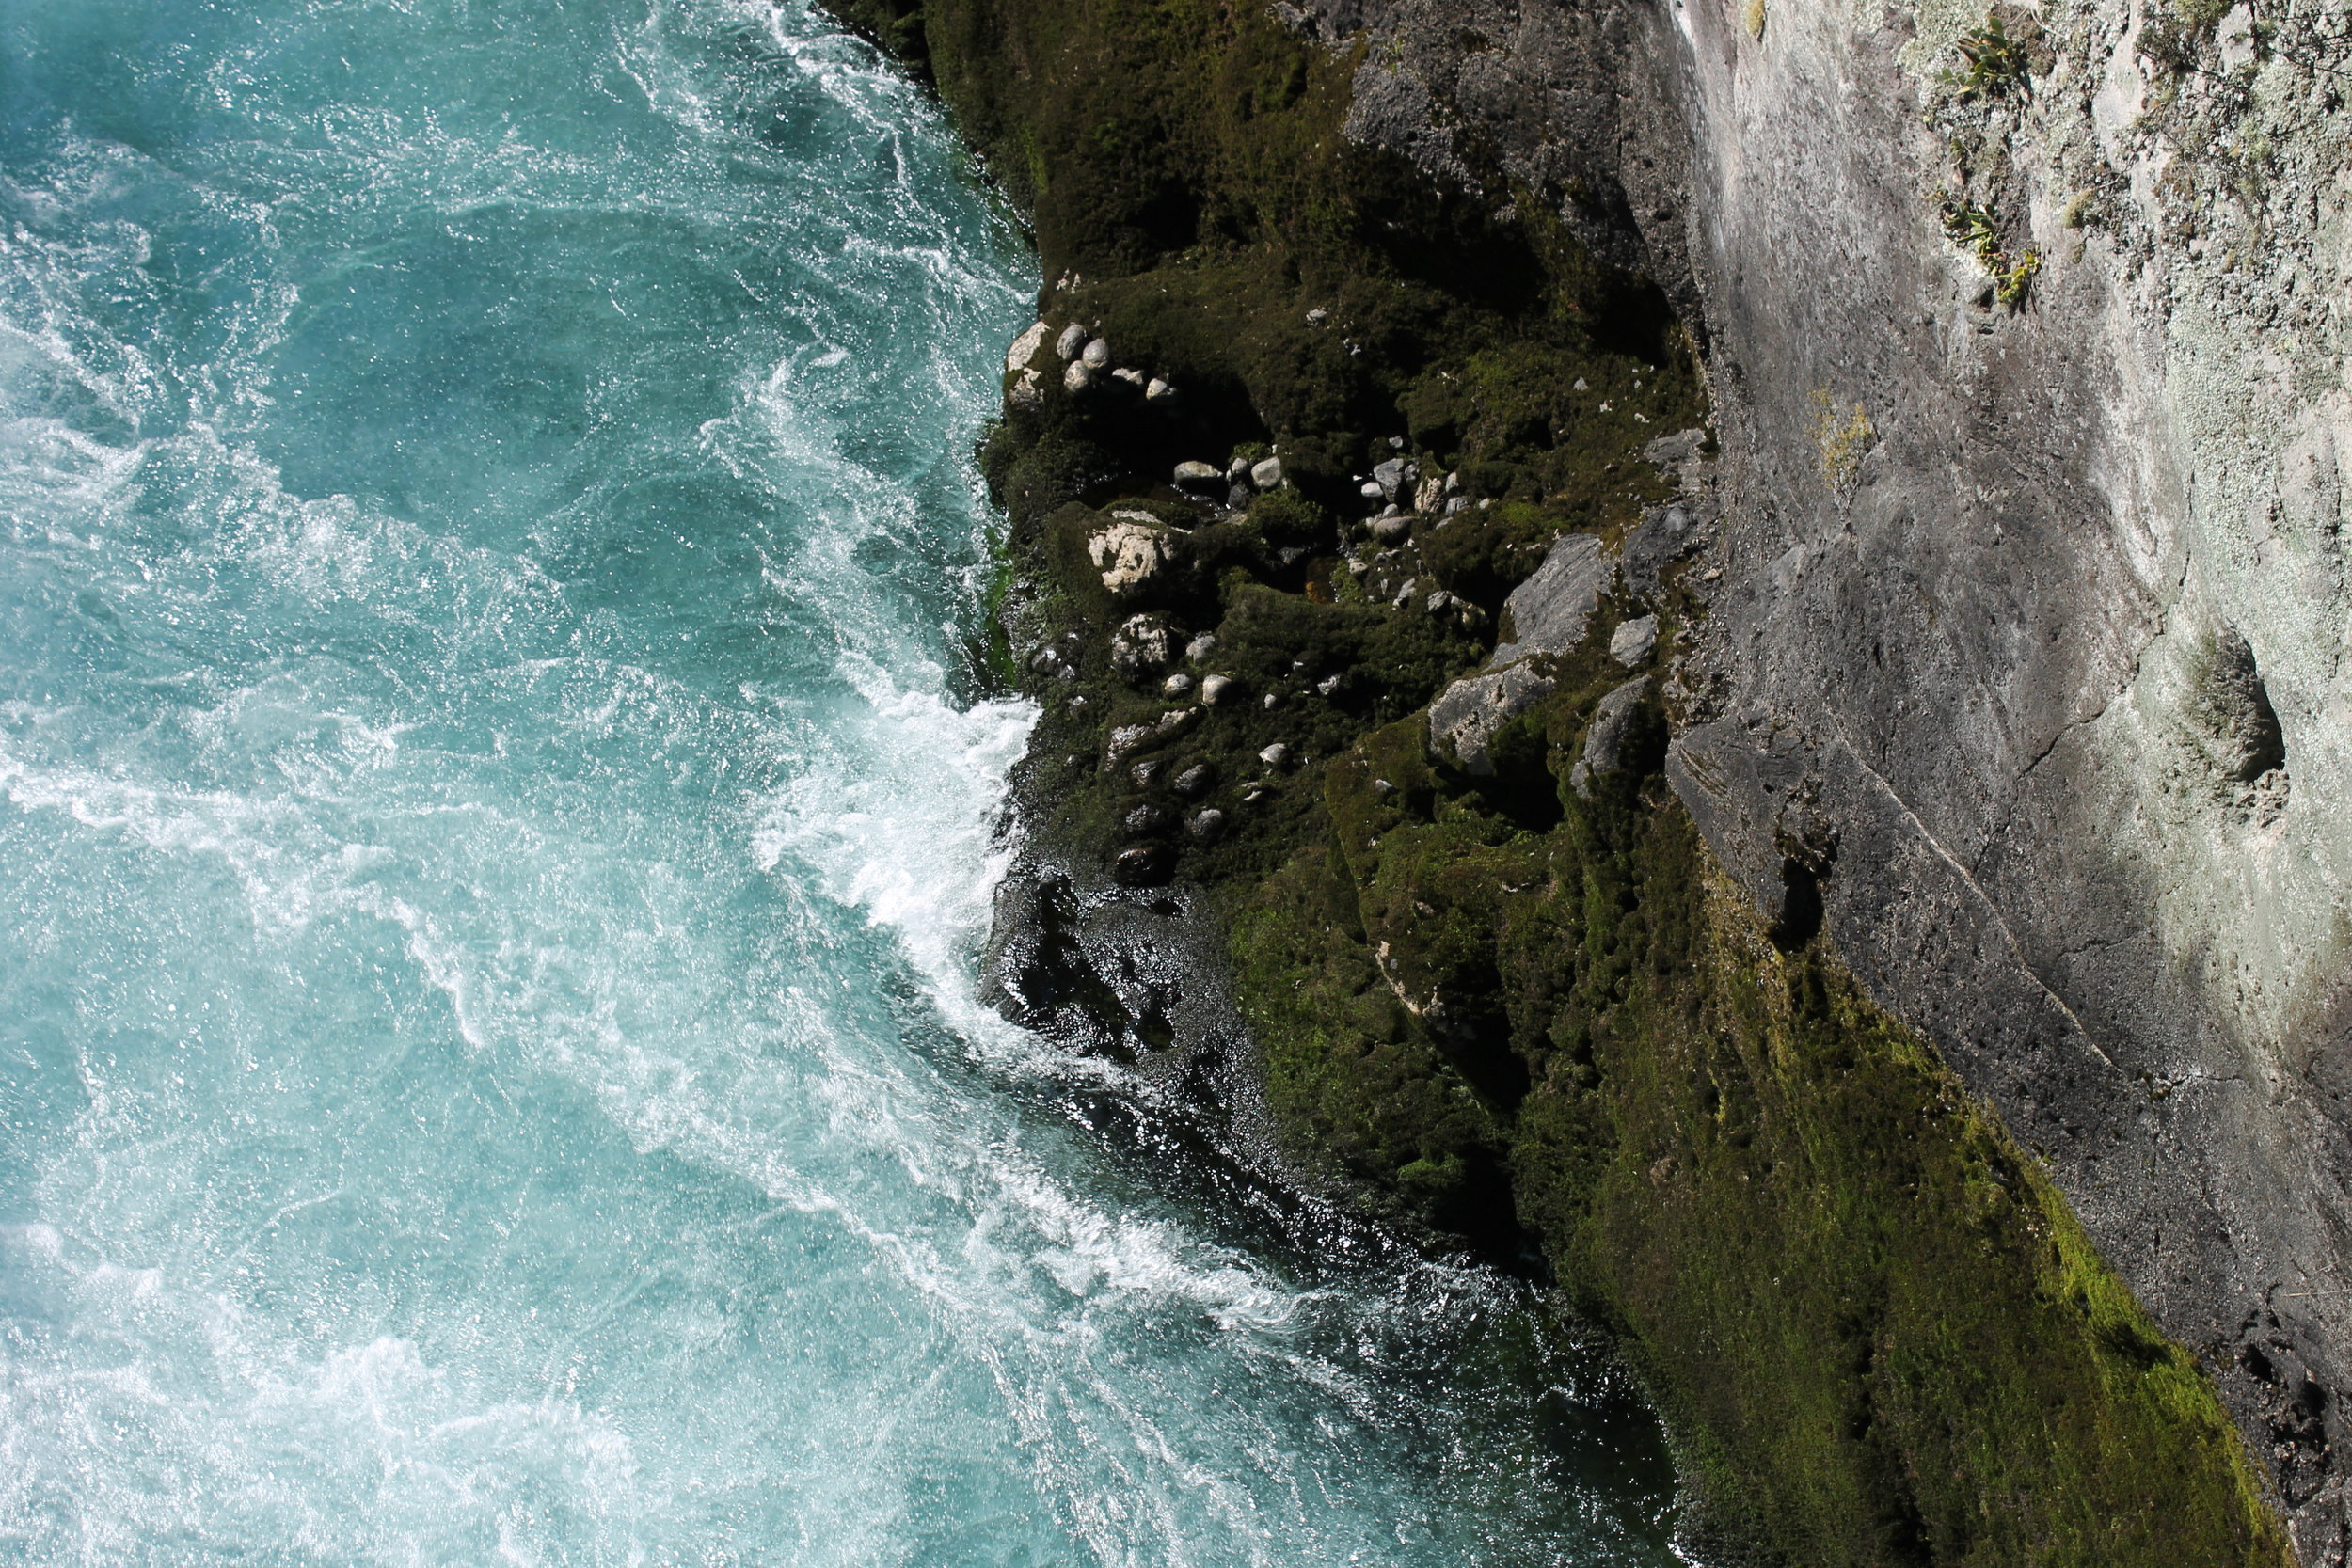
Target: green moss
(1872,1322)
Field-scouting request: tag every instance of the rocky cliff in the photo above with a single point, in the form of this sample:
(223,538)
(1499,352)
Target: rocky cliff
(1748,658)
(2026,336)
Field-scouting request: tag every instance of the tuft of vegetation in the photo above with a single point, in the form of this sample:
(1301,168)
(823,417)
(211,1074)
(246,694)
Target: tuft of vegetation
(1752,17)
(1843,441)
(1998,65)
(1978,230)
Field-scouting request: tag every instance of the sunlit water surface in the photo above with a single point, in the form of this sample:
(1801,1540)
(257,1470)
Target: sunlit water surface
(494,848)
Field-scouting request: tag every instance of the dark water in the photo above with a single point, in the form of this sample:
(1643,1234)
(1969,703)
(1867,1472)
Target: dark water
(492,859)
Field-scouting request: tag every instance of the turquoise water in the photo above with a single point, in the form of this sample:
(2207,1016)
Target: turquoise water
(495,840)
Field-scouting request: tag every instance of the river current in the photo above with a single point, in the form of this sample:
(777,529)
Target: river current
(494,841)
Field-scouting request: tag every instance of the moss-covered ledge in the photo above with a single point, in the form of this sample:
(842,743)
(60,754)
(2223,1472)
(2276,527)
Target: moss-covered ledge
(1517,1006)
(1875,1329)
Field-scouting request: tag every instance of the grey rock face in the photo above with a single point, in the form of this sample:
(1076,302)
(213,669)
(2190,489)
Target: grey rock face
(1971,692)
(1551,609)
(1604,741)
(1467,714)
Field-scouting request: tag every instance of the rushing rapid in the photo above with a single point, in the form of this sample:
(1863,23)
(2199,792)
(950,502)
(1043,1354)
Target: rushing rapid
(495,839)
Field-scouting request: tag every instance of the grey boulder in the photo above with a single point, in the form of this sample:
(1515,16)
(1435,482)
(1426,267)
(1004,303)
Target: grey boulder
(1467,715)
(1551,609)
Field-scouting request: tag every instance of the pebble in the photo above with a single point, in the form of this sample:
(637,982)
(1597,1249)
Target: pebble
(1157,390)
(1275,755)
(1388,475)
(1212,690)
(1392,531)
(1273,698)
(1631,642)
(1200,647)
(1197,475)
(1077,378)
(1237,470)
(1266,473)
(1327,687)
(1144,772)
(1176,685)
(1206,825)
(1144,863)
(1132,378)
(1144,818)
(1073,338)
(1095,356)
(1194,782)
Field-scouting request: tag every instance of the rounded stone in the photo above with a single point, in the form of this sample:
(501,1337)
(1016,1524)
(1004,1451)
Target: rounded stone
(1096,355)
(1077,378)
(1143,866)
(1215,689)
(1073,338)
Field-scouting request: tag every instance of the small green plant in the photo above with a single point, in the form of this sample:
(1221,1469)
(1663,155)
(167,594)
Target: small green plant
(1997,62)
(1976,229)
(2010,280)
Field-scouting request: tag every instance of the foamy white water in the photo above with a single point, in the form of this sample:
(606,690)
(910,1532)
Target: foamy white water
(496,839)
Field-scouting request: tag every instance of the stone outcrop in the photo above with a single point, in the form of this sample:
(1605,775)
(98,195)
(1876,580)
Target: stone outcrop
(2025,671)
